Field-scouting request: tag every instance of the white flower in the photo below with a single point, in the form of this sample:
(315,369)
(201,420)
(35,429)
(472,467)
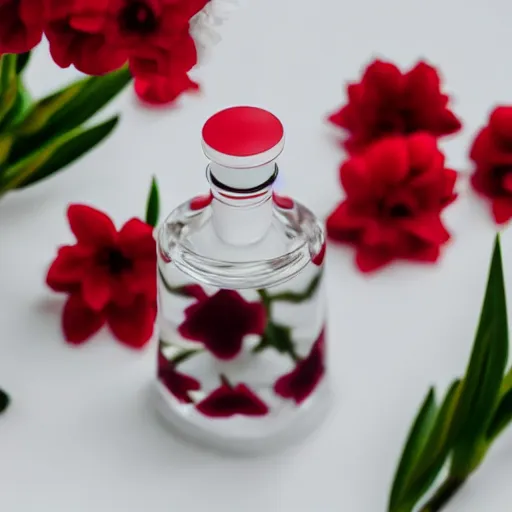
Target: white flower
(204,24)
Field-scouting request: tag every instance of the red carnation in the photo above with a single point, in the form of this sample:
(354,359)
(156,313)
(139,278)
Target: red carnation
(110,275)
(177,383)
(492,154)
(305,377)
(21,25)
(221,322)
(160,90)
(387,102)
(227,401)
(395,192)
(98,36)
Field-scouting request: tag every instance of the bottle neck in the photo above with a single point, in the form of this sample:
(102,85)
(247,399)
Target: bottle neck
(242,217)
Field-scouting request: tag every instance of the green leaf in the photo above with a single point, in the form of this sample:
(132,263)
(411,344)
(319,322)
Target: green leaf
(9,88)
(4,401)
(184,355)
(67,109)
(482,382)
(501,417)
(435,451)
(418,436)
(55,156)
(297,297)
(278,337)
(18,110)
(153,204)
(22,61)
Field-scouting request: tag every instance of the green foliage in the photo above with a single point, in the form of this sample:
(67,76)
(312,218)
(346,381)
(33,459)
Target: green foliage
(4,401)
(476,409)
(39,138)
(153,204)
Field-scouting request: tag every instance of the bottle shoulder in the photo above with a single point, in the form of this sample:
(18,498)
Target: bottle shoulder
(188,239)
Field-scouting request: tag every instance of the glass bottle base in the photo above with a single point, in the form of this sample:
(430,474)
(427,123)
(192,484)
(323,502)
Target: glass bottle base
(245,436)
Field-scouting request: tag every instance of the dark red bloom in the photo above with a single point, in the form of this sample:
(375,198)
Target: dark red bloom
(21,25)
(227,401)
(319,258)
(178,384)
(492,154)
(98,36)
(388,102)
(110,275)
(159,90)
(395,192)
(307,374)
(221,321)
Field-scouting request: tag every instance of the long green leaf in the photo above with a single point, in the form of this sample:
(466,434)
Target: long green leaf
(435,451)
(482,382)
(22,62)
(54,156)
(9,85)
(66,109)
(416,440)
(153,204)
(501,418)
(4,401)
(72,149)
(298,297)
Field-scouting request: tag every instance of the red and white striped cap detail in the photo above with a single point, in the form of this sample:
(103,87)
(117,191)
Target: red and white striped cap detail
(239,138)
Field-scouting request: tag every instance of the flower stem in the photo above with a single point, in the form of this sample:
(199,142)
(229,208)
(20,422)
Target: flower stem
(444,494)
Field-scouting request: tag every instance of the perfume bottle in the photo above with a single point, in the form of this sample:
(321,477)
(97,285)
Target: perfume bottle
(241,309)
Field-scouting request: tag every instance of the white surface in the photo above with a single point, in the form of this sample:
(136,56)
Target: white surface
(79,435)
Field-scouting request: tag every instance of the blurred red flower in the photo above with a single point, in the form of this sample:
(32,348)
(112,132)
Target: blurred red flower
(305,377)
(228,400)
(222,321)
(21,25)
(387,102)
(98,36)
(110,276)
(395,192)
(492,154)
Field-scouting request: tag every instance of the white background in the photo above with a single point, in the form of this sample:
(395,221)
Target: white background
(80,435)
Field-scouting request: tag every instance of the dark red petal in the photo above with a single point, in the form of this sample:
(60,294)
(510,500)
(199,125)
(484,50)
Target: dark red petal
(344,225)
(178,384)
(319,258)
(502,209)
(370,259)
(79,322)
(136,240)
(195,291)
(422,150)
(69,268)
(225,402)
(133,324)
(90,226)
(336,118)
(97,288)
(142,278)
(388,162)
(356,178)
(200,202)
(500,123)
(158,90)
(482,146)
(428,228)
(284,202)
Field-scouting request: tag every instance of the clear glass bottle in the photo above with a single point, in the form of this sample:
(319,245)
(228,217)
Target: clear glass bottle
(242,352)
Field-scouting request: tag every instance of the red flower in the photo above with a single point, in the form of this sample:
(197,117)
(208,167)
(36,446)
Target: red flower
(227,401)
(305,377)
(160,90)
(395,192)
(492,154)
(21,25)
(221,321)
(98,36)
(177,383)
(110,275)
(387,102)
(131,323)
